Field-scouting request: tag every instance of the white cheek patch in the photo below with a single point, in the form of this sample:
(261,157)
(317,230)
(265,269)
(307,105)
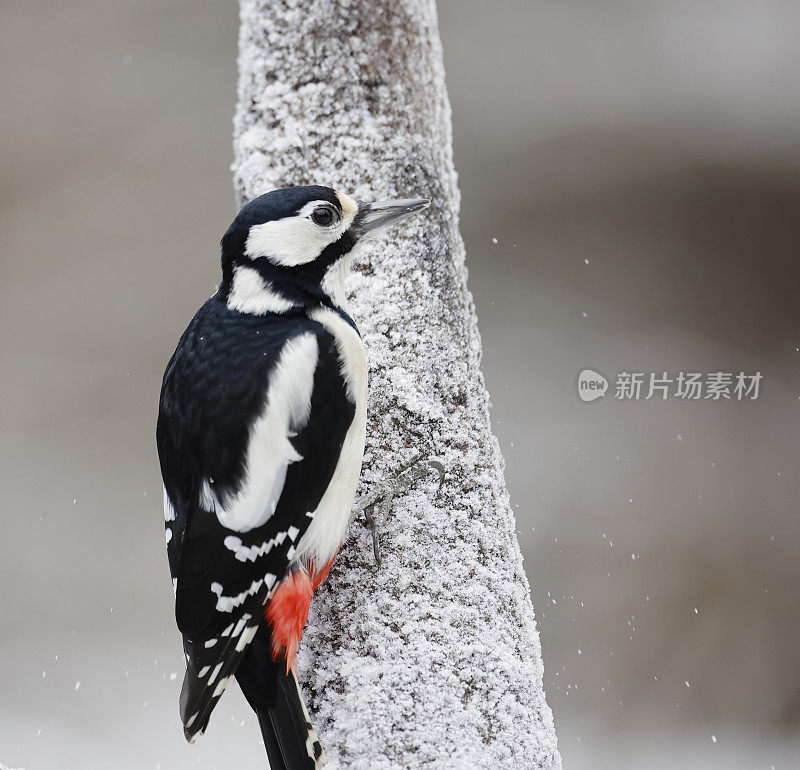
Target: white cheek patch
(294,240)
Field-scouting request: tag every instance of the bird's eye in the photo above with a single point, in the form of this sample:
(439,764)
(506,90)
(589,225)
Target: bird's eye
(324,216)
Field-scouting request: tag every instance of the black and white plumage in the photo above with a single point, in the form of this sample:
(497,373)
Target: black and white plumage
(260,436)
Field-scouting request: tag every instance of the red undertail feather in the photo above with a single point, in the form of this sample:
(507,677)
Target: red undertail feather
(287,611)
(318,576)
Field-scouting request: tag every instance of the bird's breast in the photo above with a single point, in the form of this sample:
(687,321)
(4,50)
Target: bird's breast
(350,350)
(330,520)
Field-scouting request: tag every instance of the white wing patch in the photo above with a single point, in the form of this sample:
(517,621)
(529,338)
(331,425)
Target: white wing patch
(246,638)
(169,517)
(251,553)
(208,501)
(269,452)
(230,603)
(218,674)
(169,511)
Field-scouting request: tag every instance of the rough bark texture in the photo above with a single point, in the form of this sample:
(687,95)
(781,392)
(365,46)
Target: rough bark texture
(433,659)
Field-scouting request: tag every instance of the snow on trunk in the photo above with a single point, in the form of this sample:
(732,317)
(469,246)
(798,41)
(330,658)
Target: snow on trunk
(433,659)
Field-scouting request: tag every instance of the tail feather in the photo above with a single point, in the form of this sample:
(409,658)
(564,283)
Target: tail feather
(289,737)
(209,667)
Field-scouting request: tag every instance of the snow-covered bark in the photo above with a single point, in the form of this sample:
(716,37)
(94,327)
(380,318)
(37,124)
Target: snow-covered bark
(433,659)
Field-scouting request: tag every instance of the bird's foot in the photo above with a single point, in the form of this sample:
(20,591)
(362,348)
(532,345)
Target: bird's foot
(377,504)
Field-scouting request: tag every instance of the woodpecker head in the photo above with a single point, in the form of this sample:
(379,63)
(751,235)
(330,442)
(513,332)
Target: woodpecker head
(294,245)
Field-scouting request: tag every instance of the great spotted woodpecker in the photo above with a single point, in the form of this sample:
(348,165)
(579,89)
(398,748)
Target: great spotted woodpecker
(260,436)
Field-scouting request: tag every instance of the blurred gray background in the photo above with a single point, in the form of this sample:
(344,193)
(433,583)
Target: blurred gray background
(637,164)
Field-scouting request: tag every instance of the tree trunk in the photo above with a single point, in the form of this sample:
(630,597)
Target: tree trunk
(432,659)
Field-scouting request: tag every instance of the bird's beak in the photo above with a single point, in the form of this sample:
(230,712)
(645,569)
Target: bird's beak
(372,216)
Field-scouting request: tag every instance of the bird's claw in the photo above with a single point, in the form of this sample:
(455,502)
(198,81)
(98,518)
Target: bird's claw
(376,540)
(377,504)
(439,468)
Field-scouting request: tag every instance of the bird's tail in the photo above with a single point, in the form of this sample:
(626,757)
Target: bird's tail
(288,734)
(290,739)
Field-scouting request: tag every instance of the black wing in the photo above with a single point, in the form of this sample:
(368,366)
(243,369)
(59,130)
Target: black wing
(215,391)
